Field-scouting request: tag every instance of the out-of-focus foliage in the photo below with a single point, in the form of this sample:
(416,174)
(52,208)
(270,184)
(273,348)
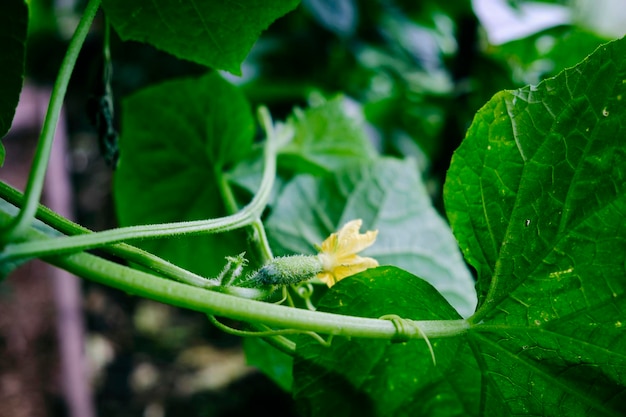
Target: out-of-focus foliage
(179,137)
(13,27)
(419,70)
(213,33)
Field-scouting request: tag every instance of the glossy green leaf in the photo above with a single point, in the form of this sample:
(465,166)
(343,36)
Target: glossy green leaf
(177,138)
(389,196)
(215,33)
(327,138)
(536,196)
(361,377)
(13,30)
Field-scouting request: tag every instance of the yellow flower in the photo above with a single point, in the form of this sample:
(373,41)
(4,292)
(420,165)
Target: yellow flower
(338,253)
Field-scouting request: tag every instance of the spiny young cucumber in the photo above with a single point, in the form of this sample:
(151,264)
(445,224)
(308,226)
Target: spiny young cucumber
(287,270)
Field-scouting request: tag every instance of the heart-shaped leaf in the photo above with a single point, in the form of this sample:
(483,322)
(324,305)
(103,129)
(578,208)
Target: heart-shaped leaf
(177,138)
(536,196)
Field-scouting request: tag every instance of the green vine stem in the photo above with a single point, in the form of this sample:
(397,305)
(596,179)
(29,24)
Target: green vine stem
(146,285)
(249,215)
(276,336)
(181,295)
(121,250)
(38,244)
(36,178)
(256,230)
(259,237)
(93,240)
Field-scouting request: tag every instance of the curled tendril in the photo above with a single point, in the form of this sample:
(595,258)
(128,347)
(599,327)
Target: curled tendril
(305,291)
(404,328)
(286,345)
(284,297)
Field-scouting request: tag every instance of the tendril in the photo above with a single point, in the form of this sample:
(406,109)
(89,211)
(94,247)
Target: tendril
(269,332)
(305,291)
(284,296)
(287,296)
(404,328)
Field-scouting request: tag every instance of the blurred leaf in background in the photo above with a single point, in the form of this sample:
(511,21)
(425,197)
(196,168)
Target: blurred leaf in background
(13,30)
(213,33)
(537,40)
(179,138)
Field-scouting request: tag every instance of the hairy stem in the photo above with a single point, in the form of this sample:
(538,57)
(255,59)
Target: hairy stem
(256,230)
(210,302)
(182,295)
(120,250)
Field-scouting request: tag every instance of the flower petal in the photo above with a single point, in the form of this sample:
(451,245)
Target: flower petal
(357,242)
(327,278)
(359,264)
(340,271)
(338,253)
(349,240)
(329,246)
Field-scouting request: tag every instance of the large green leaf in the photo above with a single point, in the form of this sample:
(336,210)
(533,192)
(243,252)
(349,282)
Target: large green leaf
(536,196)
(382,378)
(389,196)
(215,33)
(13,30)
(177,139)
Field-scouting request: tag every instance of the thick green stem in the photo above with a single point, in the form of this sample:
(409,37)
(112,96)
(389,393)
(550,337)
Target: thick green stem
(259,235)
(174,293)
(256,231)
(121,250)
(36,178)
(171,292)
